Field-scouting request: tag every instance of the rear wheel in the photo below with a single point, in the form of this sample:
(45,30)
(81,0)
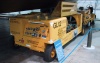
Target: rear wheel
(13,42)
(50,53)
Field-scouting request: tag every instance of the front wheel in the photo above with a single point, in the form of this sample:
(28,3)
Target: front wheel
(50,53)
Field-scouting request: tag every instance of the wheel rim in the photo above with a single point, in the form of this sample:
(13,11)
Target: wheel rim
(53,53)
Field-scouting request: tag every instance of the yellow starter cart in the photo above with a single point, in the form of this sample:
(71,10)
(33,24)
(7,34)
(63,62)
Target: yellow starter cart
(39,31)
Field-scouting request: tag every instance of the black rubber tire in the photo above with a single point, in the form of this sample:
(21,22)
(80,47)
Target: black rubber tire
(83,30)
(47,53)
(13,43)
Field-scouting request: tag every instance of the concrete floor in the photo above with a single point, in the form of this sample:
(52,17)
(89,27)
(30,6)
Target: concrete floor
(80,55)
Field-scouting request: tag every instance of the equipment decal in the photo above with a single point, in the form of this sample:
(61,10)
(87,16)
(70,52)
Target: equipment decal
(56,24)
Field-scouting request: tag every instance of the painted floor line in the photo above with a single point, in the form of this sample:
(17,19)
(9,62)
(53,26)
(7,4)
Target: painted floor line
(76,46)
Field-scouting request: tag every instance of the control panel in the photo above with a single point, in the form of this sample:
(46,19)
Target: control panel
(36,31)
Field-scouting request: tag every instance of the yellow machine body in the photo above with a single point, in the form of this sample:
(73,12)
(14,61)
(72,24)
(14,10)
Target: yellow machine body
(36,33)
(87,16)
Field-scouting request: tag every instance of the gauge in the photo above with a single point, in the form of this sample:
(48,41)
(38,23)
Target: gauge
(34,34)
(43,36)
(43,31)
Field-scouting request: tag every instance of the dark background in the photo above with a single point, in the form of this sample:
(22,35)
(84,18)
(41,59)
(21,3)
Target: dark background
(21,5)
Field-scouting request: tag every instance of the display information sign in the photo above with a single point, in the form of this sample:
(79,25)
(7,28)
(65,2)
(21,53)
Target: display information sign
(59,50)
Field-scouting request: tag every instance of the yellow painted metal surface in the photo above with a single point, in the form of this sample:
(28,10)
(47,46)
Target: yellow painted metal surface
(87,16)
(36,34)
(36,31)
(65,9)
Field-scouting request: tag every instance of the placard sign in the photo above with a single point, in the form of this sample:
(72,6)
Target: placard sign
(75,32)
(59,50)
